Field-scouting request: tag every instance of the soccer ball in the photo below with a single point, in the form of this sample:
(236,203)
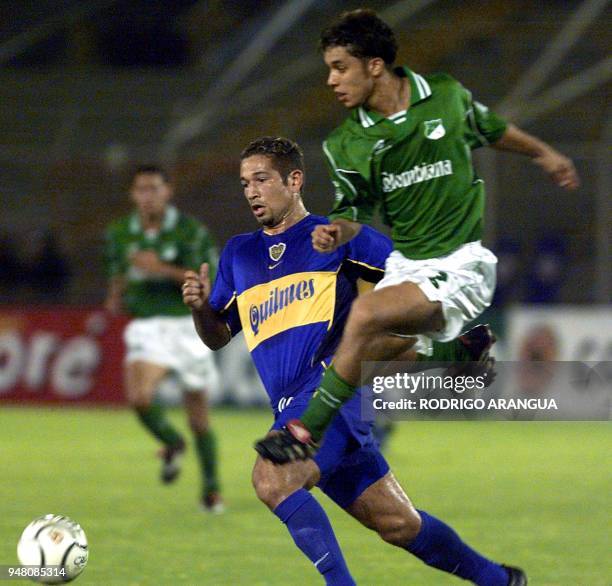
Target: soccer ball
(55,547)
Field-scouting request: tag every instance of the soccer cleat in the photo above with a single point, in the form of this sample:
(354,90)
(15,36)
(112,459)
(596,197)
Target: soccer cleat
(478,342)
(516,576)
(291,443)
(213,503)
(171,462)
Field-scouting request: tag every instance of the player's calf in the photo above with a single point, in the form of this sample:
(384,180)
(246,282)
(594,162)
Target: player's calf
(141,392)
(385,508)
(283,490)
(399,530)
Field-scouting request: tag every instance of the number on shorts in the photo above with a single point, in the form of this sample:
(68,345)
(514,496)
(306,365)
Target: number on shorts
(441,276)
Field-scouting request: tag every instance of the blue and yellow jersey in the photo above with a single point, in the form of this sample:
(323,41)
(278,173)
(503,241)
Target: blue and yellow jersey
(292,302)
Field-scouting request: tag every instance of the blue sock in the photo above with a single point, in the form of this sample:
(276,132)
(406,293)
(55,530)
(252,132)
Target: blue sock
(439,546)
(313,534)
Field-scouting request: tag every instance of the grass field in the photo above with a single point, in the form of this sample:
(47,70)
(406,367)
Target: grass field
(532,494)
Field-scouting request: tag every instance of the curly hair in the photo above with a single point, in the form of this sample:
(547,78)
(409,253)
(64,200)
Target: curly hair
(286,155)
(363,34)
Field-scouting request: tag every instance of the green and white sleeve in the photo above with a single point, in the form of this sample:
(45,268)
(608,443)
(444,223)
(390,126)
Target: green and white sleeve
(352,198)
(483,126)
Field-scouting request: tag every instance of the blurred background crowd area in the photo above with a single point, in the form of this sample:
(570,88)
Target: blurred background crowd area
(90,88)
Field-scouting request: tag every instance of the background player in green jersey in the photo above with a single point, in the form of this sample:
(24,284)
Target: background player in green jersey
(147,254)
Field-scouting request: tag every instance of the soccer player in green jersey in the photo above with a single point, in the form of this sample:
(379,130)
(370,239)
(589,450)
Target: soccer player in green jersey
(405,151)
(147,254)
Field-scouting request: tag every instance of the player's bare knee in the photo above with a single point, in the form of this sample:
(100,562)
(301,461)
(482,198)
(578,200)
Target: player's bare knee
(400,530)
(269,487)
(263,480)
(362,318)
(140,401)
(198,426)
(273,483)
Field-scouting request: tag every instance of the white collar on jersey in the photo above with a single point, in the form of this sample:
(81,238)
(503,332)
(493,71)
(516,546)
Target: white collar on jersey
(420,90)
(170,220)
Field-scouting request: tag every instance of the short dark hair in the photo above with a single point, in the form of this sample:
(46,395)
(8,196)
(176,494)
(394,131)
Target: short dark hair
(286,155)
(363,34)
(150,169)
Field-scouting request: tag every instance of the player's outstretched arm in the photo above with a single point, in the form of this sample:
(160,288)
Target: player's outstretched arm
(560,168)
(212,330)
(328,237)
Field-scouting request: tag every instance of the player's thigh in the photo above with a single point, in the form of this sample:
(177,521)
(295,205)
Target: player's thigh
(401,308)
(142,379)
(274,483)
(385,508)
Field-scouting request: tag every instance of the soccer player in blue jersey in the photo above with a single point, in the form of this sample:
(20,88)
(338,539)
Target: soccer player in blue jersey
(291,302)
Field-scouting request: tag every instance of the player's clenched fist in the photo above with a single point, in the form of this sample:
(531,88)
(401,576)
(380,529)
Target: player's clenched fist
(196,287)
(560,168)
(326,237)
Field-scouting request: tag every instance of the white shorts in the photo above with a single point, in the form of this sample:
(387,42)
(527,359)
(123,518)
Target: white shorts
(172,342)
(462,281)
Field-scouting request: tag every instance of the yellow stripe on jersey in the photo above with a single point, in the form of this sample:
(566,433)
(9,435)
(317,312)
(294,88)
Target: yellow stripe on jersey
(291,301)
(366,265)
(227,305)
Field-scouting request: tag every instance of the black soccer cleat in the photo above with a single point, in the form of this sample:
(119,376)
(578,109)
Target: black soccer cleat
(478,342)
(171,462)
(516,576)
(290,444)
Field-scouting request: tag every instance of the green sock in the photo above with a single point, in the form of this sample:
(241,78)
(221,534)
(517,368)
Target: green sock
(154,419)
(206,446)
(333,391)
(453,351)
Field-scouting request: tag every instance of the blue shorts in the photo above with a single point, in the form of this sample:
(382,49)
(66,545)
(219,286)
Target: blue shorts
(349,458)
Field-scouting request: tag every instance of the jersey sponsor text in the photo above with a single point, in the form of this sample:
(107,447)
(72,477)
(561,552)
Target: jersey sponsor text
(278,299)
(417,174)
(291,301)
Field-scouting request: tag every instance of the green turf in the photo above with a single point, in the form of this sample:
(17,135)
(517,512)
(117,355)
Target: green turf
(533,494)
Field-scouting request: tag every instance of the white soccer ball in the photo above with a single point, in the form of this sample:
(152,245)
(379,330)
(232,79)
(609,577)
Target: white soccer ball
(55,548)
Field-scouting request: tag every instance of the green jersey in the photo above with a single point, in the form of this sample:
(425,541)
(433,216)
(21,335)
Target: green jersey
(415,167)
(181,241)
